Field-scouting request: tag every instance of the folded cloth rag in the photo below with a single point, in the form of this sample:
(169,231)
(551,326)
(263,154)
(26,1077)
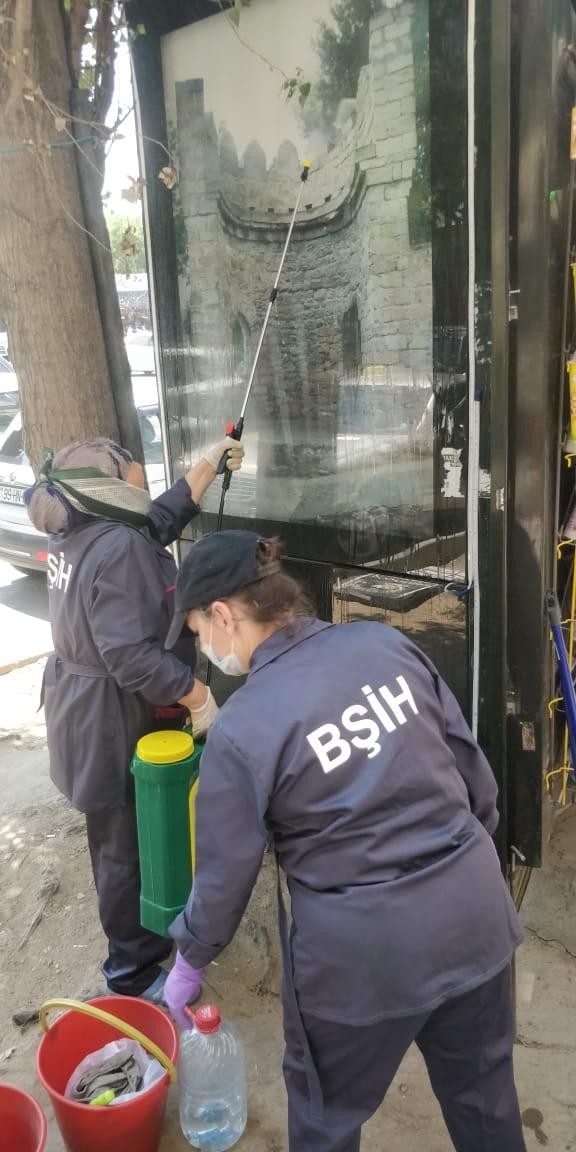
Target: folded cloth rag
(120,1073)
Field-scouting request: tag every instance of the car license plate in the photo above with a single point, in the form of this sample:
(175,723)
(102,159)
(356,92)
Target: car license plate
(11,495)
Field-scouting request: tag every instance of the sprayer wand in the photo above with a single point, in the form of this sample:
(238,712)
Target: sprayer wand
(236,430)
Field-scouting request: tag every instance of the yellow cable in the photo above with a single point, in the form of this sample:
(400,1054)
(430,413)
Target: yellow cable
(564,544)
(557,772)
(564,793)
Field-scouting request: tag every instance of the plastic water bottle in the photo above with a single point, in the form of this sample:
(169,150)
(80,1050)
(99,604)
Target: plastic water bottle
(212,1082)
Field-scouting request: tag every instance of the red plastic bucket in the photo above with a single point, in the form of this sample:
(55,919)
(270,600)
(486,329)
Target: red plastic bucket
(132,1127)
(22,1122)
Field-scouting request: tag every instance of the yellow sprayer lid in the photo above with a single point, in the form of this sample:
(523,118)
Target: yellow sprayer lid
(165,747)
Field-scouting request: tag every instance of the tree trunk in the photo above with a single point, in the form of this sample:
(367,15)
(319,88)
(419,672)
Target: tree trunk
(48,295)
(90,165)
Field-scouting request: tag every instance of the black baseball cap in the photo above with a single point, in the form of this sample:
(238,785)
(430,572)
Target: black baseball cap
(215,567)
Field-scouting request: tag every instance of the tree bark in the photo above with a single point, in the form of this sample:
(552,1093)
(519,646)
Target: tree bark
(90,164)
(48,294)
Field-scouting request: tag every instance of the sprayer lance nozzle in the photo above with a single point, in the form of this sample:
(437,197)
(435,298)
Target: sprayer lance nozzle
(306,166)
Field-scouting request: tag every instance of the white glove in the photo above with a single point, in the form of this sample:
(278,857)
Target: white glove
(235,450)
(204,716)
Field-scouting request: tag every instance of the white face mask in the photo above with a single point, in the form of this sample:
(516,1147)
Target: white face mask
(230,665)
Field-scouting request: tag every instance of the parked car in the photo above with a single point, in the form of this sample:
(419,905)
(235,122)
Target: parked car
(20,543)
(8,393)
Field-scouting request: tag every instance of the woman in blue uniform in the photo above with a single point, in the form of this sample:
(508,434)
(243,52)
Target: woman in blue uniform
(111,593)
(346,748)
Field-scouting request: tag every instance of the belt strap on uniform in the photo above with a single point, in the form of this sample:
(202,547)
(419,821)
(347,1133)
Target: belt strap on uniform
(55,663)
(82,669)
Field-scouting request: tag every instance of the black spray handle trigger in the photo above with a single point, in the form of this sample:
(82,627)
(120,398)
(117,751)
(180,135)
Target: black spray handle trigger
(234,431)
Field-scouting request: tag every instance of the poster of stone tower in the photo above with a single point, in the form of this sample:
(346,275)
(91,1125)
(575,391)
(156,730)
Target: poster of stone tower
(340,423)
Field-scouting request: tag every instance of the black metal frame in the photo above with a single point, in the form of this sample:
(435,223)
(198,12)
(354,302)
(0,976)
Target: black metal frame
(541,156)
(492,294)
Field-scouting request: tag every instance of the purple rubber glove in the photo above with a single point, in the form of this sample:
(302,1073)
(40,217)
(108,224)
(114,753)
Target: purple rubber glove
(182,987)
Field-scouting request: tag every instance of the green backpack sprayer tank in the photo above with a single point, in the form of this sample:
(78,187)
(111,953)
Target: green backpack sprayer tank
(165,768)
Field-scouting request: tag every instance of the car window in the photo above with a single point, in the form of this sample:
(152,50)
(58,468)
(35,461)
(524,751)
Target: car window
(12,450)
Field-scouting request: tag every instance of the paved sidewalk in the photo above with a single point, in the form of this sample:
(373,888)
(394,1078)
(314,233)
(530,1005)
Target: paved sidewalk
(25,633)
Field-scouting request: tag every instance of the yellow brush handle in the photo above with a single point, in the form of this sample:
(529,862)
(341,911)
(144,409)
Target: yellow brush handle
(115,1022)
(571,366)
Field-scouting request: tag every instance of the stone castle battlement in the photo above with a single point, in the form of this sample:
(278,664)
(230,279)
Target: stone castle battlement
(354,217)
(254,191)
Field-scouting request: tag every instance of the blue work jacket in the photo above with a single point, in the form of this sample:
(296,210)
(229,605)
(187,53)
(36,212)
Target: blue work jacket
(347,749)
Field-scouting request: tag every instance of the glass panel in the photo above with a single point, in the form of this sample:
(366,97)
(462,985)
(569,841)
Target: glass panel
(423,608)
(356,425)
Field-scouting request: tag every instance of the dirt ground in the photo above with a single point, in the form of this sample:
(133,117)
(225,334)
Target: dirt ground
(51,945)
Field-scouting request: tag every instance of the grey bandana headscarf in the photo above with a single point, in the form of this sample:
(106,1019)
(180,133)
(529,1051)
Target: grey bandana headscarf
(89,477)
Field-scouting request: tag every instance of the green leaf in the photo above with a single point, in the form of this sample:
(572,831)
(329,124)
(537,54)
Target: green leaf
(234,13)
(304,92)
(290,86)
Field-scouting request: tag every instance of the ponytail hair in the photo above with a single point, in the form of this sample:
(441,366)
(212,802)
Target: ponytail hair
(274,599)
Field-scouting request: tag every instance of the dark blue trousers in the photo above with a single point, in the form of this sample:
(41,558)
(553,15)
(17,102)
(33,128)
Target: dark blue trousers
(134,953)
(467,1047)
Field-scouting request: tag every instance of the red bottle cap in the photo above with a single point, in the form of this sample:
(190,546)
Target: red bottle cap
(207,1019)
